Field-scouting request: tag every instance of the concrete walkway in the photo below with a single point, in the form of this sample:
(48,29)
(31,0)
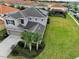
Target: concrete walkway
(77,58)
(6,45)
(4,58)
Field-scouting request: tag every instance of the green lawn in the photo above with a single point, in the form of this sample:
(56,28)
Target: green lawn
(61,39)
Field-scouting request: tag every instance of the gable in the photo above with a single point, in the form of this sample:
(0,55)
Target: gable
(16,15)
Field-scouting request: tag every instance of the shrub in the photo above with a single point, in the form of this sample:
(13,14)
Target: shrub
(12,5)
(20,7)
(21,44)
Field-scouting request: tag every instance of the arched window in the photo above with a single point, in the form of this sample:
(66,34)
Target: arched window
(36,19)
(41,19)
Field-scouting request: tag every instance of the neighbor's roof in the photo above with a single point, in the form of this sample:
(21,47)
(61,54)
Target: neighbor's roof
(31,12)
(14,1)
(29,2)
(57,6)
(6,9)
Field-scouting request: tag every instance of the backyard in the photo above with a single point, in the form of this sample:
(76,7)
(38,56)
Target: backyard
(61,40)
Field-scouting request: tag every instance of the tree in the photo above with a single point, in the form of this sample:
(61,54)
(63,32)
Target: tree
(37,39)
(12,5)
(28,37)
(20,7)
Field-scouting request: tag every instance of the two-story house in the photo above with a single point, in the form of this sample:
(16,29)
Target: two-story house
(30,19)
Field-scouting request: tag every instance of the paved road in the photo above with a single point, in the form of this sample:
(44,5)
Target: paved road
(5,46)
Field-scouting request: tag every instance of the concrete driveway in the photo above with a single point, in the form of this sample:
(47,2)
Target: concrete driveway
(4,58)
(6,45)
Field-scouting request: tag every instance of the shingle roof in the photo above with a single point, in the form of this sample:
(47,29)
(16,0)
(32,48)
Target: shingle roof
(40,28)
(34,12)
(16,15)
(6,9)
(31,3)
(14,1)
(57,6)
(31,26)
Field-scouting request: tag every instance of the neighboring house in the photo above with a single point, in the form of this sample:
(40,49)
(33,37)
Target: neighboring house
(26,3)
(35,4)
(14,1)
(57,6)
(30,19)
(57,9)
(5,10)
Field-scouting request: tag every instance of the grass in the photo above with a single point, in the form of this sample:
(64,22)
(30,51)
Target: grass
(61,39)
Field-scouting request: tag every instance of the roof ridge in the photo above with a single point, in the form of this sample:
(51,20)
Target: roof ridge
(33,9)
(21,14)
(42,12)
(39,12)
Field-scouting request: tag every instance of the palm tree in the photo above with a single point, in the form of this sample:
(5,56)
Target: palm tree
(27,36)
(37,39)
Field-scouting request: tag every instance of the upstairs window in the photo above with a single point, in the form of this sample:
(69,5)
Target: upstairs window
(36,19)
(29,18)
(10,22)
(41,19)
(22,21)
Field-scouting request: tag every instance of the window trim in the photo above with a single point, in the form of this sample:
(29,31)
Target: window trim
(10,22)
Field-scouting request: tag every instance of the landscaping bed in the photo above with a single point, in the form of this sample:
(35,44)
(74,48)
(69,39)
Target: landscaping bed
(3,34)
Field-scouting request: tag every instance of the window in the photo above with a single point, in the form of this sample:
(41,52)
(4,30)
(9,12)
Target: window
(29,18)
(10,22)
(35,18)
(22,21)
(41,19)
